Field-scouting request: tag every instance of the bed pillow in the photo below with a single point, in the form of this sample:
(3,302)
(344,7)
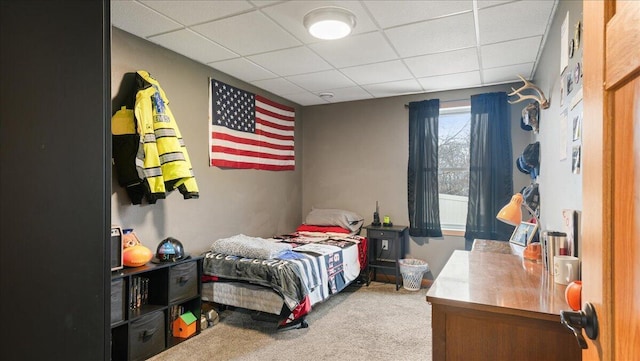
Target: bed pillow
(334,217)
(323,229)
(250,247)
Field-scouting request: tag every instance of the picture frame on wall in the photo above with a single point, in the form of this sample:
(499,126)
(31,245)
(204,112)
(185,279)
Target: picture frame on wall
(577,126)
(575,161)
(524,233)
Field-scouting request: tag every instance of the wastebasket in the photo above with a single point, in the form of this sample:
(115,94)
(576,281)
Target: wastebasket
(412,270)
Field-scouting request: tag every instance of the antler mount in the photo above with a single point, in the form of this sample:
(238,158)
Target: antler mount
(544,103)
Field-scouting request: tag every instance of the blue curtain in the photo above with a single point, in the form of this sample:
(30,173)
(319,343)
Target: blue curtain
(422,174)
(491,170)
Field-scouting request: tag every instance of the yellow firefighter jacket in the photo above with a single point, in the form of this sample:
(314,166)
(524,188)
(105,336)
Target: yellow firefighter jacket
(162,160)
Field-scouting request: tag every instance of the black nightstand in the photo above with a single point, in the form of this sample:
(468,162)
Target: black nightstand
(396,237)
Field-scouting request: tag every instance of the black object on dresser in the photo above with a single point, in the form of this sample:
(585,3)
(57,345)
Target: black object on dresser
(146,300)
(395,238)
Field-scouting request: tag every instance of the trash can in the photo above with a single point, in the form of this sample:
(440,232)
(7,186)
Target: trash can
(412,271)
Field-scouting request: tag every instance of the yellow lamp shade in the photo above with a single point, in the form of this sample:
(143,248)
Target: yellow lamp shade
(512,213)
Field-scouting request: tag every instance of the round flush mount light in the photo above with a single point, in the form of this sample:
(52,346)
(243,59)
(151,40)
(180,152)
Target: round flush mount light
(329,22)
(326,95)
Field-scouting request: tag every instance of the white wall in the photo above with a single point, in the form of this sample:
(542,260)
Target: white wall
(559,187)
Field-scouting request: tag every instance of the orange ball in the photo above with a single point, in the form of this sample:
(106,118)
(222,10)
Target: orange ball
(573,295)
(136,256)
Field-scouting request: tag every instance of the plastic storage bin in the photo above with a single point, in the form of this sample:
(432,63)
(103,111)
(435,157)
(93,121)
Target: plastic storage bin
(412,271)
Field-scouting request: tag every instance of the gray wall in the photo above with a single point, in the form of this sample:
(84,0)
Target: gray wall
(256,203)
(356,153)
(559,187)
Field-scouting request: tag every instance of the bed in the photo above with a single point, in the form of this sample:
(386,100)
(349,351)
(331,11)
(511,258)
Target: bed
(288,274)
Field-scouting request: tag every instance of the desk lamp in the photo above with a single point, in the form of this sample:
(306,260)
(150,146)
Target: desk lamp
(512,214)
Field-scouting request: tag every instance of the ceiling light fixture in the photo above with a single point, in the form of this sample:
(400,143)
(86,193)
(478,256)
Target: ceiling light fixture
(330,22)
(326,95)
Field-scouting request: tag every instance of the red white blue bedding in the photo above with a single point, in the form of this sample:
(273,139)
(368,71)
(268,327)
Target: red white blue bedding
(317,266)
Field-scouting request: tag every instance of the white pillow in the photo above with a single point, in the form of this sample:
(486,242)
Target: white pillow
(334,217)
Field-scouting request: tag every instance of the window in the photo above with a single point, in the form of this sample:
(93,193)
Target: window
(453,166)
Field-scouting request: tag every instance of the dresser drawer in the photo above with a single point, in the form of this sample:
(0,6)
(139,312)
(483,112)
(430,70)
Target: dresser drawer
(378,234)
(183,281)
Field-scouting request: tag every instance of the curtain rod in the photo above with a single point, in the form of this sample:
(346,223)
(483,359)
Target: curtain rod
(446,101)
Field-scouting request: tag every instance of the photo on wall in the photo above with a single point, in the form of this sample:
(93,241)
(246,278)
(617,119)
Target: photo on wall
(575,164)
(577,126)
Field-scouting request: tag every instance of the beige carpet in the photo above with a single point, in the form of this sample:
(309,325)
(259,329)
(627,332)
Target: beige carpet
(360,323)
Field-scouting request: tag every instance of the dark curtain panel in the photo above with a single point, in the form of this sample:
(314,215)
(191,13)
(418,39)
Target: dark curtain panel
(491,175)
(422,174)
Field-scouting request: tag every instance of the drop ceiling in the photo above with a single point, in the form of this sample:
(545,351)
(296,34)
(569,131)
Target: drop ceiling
(397,47)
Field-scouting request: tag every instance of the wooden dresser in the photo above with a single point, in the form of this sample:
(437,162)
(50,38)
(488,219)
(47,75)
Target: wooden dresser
(497,306)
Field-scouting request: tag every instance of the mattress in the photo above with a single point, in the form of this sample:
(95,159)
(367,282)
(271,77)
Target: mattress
(243,295)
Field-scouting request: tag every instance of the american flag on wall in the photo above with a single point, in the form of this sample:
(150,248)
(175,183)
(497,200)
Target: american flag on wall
(249,131)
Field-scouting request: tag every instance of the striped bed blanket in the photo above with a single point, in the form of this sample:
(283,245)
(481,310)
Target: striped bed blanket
(311,273)
(293,279)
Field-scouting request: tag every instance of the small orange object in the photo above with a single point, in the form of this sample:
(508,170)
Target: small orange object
(185,325)
(136,256)
(573,295)
(533,252)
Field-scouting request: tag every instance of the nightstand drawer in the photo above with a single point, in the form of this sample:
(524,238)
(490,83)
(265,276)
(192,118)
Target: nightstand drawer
(374,233)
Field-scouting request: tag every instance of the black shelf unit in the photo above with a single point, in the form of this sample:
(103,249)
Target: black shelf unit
(396,237)
(141,322)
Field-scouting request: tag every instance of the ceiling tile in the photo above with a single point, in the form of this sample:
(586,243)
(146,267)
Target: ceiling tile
(487,3)
(506,74)
(348,94)
(433,36)
(306,98)
(278,86)
(443,63)
(394,88)
(510,52)
(514,20)
(190,12)
(263,3)
(192,45)
(247,34)
(243,69)
(323,80)
(140,20)
(378,72)
(291,61)
(393,13)
(397,47)
(355,50)
(451,81)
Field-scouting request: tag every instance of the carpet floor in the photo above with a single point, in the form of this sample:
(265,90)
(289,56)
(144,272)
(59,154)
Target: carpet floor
(373,322)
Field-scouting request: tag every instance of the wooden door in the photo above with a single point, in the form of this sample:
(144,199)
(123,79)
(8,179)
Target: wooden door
(611,165)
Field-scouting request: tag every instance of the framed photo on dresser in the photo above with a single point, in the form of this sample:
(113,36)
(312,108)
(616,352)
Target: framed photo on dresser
(523,234)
